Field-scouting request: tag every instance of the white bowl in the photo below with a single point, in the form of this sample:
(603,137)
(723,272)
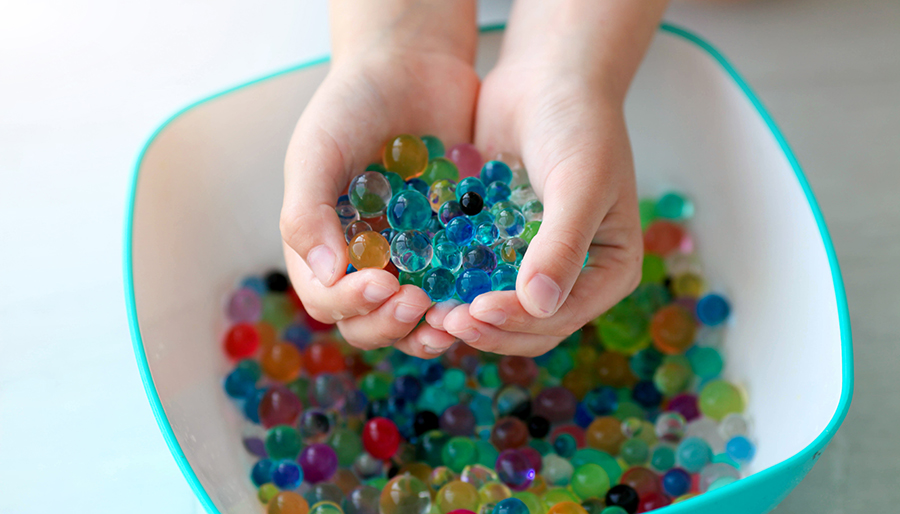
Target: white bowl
(204,211)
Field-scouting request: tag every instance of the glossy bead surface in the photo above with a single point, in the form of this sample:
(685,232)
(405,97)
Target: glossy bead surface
(406,156)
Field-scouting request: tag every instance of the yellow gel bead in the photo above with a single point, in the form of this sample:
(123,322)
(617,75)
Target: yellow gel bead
(369,250)
(567,507)
(531,500)
(558,495)
(605,433)
(579,381)
(688,284)
(457,495)
(538,486)
(683,497)
(419,470)
(406,156)
(493,492)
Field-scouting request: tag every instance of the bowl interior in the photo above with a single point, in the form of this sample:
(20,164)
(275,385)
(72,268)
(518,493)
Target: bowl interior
(206,208)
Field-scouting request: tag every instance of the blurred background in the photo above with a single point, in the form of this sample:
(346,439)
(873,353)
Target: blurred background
(84,84)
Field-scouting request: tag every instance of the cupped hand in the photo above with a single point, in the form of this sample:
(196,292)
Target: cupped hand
(366,97)
(569,128)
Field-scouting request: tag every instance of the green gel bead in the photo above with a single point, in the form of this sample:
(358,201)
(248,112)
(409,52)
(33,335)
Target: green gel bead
(531,500)
(283,442)
(706,362)
(674,206)
(430,447)
(377,355)
(436,399)
(251,367)
(615,509)
(489,376)
(590,481)
(560,363)
(267,492)
(602,459)
(628,409)
(530,230)
(300,387)
(377,483)
(487,453)
(719,399)
(458,453)
(440,168)
(558,495)
(541,446)
(634,452)
(653,269)
(672,377)
(454,380)
(346,444)
(277,310)
(647,210)
(414,279)
(396,181)
(376,385)
(662,458)
(377,166)
(624,328)
(434,145)
(649,298)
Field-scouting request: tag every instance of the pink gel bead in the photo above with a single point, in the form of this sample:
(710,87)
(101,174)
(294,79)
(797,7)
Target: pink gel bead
(244,306)
(467,158)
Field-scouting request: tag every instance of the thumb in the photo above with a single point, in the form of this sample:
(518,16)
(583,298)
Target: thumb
(314,169)
(573,210)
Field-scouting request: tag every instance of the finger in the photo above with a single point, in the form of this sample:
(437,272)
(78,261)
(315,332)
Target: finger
(611,274)
(435,315)
(353,295)
(425,342)
(489,338)
(387,324)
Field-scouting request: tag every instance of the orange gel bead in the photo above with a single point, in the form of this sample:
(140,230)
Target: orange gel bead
(605,433)
(369,250)
(282,362)
(288,502)
(672,329)
(663,237)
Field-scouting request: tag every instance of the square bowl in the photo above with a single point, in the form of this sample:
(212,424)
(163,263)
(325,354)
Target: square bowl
(204,209)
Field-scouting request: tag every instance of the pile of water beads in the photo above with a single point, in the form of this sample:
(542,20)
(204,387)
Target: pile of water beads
(626,415)
(450,223)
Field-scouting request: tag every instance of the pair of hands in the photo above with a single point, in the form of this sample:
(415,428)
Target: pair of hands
(570,132)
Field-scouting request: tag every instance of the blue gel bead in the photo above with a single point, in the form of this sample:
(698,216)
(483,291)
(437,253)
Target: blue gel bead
(433,226)
(407,387)
(350,269)
(713,309)
(389,234)
(287,475)
(460,230)
(504,278)
(432,371)
(479,257)
(740,449)
(239,383)
(251,404)
(396,181)
(257,284)
(262,472)
(510,506)
(487,233)
(482,217)
(439,284)
(409,210)
(601,401)
(483,409)
(496,192)
(693,453)
(676,482)
(471,283)
(646,394)
(417,184)
(448,211)
(583,416)
(411,251)
(446,254)
(470,184)
(496,171)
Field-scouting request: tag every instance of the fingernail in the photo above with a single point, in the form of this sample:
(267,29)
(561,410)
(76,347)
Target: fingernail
(321,262)
(433,351)
(492,316)
(376,292)
(543,293)
(406,313)
(469,336)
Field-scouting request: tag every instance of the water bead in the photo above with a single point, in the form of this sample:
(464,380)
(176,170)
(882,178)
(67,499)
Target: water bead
(471,202)
(281,362)
(450,210)
(323,357)
(440,192)
(460,230)
(653,269)
(646,394)
(733,425)
(512,251)
(705,362)
(482,407)
(346,212)
(472,282)
(434,146)
(467,158)
(440,168)
(715,471)
(411,251)
(530,230)
(672,329)
(740,449)
(496,192)
(329,391)
(473,185)
(326,507)
(261,472)
(287,502)
(713,309)
(319,462)
(267,492)
(496,171)
(687,285)
(663,237)
(381,438)
(684,404)
(557,404)
(557,470)
(533,211)
(601,401)
(396,181)
(439,284)
(355,228)
(369,193)
(605,433)
(480,257)
(720,398)
(515,470)
(509,433)
(721,482)
(674,206)
(244,306)
(445,254)
(672,377)
(405,155)
(239,383)
(662,457)
(287,475)
(567,507)
(458,453)
(241,341)
(367,467)
(503,278)
(458,420)
(670,426)
(409,210)
(510,222)
(456,495)
(693,454)
(487,233)
(369,250)
(635,451)
(405,494)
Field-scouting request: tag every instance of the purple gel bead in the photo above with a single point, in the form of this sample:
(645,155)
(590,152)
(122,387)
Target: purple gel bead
(244,306)
(319,462)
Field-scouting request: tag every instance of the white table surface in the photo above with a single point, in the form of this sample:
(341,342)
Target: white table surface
(83,84)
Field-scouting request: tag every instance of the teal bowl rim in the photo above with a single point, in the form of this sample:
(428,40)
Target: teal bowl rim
(810,452)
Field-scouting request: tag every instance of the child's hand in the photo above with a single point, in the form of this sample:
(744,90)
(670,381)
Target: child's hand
(557,102)
(379,85)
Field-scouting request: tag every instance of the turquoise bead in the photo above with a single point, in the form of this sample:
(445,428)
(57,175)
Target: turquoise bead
(504,278)
(434,145)
(470,184)
(439,284)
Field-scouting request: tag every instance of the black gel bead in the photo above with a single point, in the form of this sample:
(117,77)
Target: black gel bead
(538,427)
(277,282)
(623,496)
(425,420)
(471,203)
(392,471)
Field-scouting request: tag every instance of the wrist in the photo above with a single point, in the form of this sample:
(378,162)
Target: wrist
(442,27)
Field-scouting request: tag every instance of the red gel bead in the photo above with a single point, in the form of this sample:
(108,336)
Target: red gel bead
(556,404)
(279,406)
(454,355)
(509,433)
(695,483)
(378,223)
(461,511)
(381,438)
(663,237)
(241,341)
(517,370)
(653,501)
(317,326)
(390,268)
(295,299)
(642,480)
(324,357)
(356,365)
